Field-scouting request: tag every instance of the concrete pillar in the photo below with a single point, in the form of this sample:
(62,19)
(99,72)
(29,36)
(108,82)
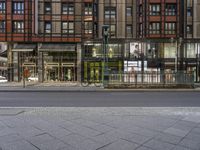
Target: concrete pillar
(9,55)
(40,65)
(79,62)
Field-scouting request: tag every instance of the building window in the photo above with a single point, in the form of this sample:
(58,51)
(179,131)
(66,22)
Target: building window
(129,11)
(189,11)
(170,9)
(170,28)
(68,8)
(154,9)
(88,27)
(110,12)
(47,7)
(88,8)
(140,10)
(189,29)
(47,27)
(18,27)
(112,30)
(129,31)
(18,7)
(68,27)
(154,28)
(2,26)
(2,7)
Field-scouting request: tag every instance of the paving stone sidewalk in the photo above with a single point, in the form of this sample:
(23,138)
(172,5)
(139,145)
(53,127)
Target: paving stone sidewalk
(100,128)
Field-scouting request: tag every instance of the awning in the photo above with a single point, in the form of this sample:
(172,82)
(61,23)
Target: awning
(57,48)
(24,48)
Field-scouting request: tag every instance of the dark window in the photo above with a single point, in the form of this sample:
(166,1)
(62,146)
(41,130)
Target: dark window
(129,30)
(47,27)
(47,7)
(129,11)
(170,28)
(110,12)
(189,11)
(18,7)
(154,28)
(2,26)
(170,9)
(140,10)
(68,8)
(189,29)
(88,8)
(154,9)
(68,27)
(2,7)
(18,26)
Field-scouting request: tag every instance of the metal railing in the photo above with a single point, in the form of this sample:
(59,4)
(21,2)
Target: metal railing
(151,78)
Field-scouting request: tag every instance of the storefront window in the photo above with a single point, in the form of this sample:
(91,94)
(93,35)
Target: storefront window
(170,50)
(191,50)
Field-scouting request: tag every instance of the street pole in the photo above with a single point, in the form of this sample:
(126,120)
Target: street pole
(105,58)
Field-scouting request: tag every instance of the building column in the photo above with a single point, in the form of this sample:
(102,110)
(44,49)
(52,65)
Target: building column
(10,64)
(40,65)
(79,62)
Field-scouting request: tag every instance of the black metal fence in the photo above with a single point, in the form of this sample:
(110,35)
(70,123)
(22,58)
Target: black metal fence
(150,79)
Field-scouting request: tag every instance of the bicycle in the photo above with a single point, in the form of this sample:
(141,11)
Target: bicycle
(86,82)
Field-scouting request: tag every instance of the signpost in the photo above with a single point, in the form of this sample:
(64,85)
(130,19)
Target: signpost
(105,34)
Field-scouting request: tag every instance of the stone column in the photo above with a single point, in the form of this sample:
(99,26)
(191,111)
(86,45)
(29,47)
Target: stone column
(9,55)
(79,63)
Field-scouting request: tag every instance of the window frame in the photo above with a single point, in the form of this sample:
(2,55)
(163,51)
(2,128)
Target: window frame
(2,26)
(68,30)
(18,7)
(70,9)
(17,24)
(46,30)
(47,5)
(2,7)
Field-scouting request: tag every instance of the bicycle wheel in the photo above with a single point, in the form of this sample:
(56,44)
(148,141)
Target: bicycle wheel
(97,83)
(84,83)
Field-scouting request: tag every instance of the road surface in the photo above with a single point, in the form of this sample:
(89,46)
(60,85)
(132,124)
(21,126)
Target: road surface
(99,99)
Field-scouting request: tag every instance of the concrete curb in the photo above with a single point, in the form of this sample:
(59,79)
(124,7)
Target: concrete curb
(94,90)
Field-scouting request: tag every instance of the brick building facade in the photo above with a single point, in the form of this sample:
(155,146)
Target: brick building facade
(61,40)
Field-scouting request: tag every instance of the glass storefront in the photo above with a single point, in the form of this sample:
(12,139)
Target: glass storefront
(59,66)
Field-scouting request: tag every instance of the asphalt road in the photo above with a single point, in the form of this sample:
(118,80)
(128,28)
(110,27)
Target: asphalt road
(99,99)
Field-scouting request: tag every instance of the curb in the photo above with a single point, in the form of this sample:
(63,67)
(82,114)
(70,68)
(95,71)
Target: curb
(98,90)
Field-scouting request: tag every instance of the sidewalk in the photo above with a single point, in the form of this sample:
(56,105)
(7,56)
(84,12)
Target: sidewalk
(77,87)
(99,128)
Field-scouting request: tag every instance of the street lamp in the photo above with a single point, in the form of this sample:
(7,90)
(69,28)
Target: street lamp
(105,34)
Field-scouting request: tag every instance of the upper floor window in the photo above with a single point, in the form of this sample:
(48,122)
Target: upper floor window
(68,27)
(189,11)
(88,27)
(189,29)
(170,9)
(110,12)
(112,30)
(2,7)
(170,28)
(47,7)
(154,28)
(68,8)
(18,26)
(88,8)
(129,30)
(18,7)
(47,27)
(129,11)
(154,9)
(2,26)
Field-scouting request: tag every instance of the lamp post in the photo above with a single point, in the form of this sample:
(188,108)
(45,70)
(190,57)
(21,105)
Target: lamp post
(105,34)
